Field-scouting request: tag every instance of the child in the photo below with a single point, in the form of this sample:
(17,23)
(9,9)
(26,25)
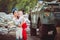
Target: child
(23,25)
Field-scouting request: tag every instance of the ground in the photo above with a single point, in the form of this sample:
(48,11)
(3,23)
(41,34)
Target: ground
(12,37)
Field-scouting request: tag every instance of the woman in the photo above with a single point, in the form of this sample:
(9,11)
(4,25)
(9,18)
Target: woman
(17,23)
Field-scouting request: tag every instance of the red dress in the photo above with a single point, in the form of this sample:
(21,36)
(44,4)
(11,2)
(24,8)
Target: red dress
(24,33)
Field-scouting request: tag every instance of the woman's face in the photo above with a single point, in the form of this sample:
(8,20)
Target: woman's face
(15,13)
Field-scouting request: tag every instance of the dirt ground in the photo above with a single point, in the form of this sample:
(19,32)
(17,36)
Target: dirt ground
(12,37)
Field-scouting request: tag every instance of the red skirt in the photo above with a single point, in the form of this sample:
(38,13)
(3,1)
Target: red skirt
(24,35)
(24,31)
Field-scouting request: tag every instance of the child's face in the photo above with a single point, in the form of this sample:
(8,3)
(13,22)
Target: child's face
(20,13)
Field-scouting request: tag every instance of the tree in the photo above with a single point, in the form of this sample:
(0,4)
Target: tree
(3,5)
(26,4)
(7,5)
(48,0)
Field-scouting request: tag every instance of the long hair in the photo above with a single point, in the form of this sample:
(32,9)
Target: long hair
(14,9)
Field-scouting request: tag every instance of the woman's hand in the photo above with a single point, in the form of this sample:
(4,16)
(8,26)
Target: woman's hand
(19,25)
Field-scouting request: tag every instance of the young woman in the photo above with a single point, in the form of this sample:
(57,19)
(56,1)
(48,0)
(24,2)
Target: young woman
(17,23)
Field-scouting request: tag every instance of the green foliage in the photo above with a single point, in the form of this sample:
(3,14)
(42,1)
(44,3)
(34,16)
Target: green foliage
(48,0)
(25,4)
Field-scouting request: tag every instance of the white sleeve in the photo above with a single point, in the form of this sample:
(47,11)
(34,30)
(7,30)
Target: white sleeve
(21,19)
